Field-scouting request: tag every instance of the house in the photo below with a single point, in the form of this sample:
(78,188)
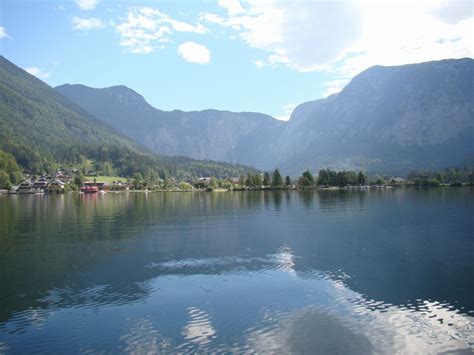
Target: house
(55,185)
(119,186)
(40,184)
(205,180)
(25,187)
(61,175)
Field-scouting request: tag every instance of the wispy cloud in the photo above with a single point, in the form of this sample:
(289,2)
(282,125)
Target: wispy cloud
(194,53)
(86,4)
(90,23)
(302,35)
(3,32)
(147,29)
(233,7)
(454,11)
(39,73)
(348,37)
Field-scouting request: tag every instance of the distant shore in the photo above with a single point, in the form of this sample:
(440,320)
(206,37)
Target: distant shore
(316,188)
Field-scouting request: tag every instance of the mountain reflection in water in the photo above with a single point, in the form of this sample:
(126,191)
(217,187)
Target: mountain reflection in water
(341,271)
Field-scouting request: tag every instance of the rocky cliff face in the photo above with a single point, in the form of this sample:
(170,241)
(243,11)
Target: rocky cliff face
(390,119)
(387,119)
(208,134)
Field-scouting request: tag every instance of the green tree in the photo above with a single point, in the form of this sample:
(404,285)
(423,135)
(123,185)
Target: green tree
(439,178)
(361,178)
(213,183)
(137,180)
(470,178)
(277,180)
(138,177)
(78,180)
(249,180)
(379,181)
(16,176)
(266,179)
(323,177)
(257,181)
(287,181)
(306,180)
(9,166)
(185,186)
(4,180)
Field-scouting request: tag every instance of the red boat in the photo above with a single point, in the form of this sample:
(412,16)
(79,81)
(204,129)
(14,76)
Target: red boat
(89,189)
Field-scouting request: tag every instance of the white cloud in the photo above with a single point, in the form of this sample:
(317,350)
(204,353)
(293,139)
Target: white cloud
(147,29)
(212,18)
(302,35)
(194,53)
(3,32)
(233,7)
(186,27)
(402,33)
(91,23)
(39,73)
(454,11)
(86,4)
(259,63)
(348,37)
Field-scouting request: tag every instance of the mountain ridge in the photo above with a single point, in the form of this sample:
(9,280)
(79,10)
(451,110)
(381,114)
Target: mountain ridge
(387,119)
(205,134)
(42,129)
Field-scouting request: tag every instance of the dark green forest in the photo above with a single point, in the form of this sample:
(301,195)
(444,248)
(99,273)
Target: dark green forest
(43,131)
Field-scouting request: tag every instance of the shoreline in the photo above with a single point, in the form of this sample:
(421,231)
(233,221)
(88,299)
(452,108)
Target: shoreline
(318,188)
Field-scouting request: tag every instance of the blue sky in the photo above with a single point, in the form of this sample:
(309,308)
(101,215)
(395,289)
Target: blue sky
(265,56)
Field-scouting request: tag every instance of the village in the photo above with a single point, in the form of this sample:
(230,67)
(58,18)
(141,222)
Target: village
(62,181)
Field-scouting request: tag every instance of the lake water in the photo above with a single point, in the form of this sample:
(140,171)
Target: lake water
(380,271)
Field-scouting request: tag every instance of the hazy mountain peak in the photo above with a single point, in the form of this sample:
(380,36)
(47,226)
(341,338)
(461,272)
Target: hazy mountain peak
(387,118)
(120,94)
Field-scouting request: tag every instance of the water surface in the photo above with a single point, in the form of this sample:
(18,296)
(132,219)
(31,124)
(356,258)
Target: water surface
(381,271)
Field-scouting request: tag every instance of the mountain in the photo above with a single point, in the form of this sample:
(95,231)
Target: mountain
(243,137)
(387,119)
(42,129)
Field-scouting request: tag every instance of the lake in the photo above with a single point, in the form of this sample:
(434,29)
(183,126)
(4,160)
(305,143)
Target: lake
(379,271)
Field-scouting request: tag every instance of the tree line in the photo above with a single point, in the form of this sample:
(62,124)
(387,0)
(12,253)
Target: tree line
(451,176)
(328,177)
(274,180)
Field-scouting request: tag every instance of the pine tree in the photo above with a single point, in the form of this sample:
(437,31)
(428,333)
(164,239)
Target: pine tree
(361,178)
(277,179)
(266,179)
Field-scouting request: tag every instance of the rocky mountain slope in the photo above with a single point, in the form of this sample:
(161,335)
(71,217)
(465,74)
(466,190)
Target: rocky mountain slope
(387,119)
(42,129)
(209,134)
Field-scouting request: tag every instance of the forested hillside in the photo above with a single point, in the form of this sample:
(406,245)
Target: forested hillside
(386,120)
(237,137)
(43,130)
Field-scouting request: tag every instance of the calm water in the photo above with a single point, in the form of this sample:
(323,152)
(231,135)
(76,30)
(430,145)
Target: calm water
(332,271)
